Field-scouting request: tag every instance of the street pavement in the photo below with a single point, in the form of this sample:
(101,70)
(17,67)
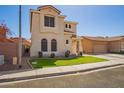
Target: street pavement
(107,78)
(113,60)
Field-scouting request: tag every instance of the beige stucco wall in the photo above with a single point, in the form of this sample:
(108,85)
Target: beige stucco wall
(39,31)
(76,49)
(69,45)
(80,45)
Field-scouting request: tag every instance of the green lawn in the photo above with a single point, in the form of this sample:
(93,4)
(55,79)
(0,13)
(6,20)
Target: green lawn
(52,62)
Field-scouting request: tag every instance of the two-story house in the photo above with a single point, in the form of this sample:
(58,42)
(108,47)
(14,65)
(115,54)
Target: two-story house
(50,33)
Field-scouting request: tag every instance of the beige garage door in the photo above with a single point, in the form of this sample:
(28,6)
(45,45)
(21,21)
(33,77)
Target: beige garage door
(100,49)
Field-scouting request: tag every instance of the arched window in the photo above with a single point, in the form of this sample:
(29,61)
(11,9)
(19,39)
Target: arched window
(53,45)
(66,26)
(69,26)
(43,45)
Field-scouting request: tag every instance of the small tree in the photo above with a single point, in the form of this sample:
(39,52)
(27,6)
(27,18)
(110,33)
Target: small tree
(4,30)
(80,53)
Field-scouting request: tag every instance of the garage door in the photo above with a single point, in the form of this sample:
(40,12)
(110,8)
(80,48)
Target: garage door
(100,49)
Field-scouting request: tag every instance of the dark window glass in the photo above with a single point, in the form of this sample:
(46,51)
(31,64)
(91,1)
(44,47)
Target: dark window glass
(69,26)
(66,25)
(43,45)
(49,21)
(46,21)
(53,45)
(67,42)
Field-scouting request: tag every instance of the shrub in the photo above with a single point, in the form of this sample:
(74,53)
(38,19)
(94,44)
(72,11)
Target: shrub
(81,53)
(121,52)
(67,53)
(40,54)
(52,55)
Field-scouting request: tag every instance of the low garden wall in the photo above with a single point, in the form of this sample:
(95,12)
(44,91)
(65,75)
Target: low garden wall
(9,50)
(1,59)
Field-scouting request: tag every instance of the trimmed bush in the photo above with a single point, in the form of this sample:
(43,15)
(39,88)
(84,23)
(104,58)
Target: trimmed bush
(81,53)
(52,55)
(40,54)
(121,52)
(67,53)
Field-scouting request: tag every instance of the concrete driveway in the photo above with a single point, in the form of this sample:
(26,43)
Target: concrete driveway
(110,56)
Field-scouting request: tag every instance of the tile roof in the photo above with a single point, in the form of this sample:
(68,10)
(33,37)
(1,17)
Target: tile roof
(99,38)
(68,31)
(24,41)
(6,40)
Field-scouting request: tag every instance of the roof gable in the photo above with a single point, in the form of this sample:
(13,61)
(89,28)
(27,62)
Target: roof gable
(49,6)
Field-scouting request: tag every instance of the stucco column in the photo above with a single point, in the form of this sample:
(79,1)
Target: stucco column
(49,46)
(80,46)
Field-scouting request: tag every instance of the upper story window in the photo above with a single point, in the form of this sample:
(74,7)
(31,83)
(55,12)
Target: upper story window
(67,42)
(67,26)
(49,21)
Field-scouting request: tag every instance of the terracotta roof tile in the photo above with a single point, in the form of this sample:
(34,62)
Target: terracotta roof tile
(98,38)
(68,31)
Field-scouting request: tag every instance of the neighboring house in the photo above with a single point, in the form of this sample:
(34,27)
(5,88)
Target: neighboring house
(116,44)
(3,37)
(7,47)
(96,45)
(2,33)
(5,40)
(25,43)
(50,33)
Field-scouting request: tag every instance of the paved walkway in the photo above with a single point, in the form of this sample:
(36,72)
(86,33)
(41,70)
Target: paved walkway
(64,69)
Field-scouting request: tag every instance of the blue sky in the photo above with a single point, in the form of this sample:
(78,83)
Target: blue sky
(93,20)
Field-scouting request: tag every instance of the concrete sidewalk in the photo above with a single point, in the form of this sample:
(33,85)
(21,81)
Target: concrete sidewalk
(58,70)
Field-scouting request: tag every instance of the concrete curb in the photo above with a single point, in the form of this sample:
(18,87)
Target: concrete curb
(56,74)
